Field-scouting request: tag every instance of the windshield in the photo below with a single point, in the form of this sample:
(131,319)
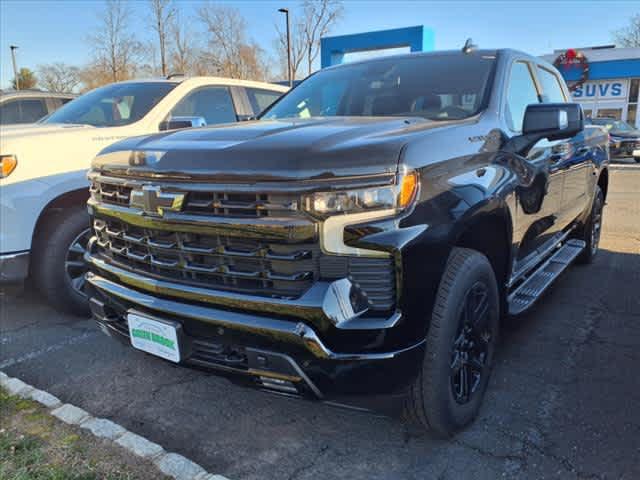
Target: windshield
(113,105)
(611,124)
(438,87)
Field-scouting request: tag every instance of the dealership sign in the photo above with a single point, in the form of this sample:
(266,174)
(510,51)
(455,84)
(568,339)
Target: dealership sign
(606,89)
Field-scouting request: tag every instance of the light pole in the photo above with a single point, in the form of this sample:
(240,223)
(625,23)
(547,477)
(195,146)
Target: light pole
(286,12)
(15,68)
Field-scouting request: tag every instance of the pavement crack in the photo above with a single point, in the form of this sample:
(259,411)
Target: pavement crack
(161,386)
(490,454)
(50,349)
(545,450)
(309,465)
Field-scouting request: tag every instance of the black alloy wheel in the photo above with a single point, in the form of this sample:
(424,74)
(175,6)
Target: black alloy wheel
(461,341)
(74,265)
(58,267)
(471,346)
(592,229)
(596,226)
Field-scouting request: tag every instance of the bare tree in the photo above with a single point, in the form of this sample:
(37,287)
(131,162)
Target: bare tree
(319,17)
(316,20)
(94,75)
(116,50)
(59,77)
(163,15)
(183,53)
(229,53)
(630,35)
(298,49)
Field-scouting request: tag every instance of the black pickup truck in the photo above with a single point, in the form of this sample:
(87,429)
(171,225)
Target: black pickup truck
(359,242)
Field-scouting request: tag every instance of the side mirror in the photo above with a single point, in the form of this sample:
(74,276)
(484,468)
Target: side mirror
(554,121)
(176,123)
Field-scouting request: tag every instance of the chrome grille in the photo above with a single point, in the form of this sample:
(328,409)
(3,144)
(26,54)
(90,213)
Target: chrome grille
(240,204)
(275,267)
(111,194)
(227,204)
(229,263)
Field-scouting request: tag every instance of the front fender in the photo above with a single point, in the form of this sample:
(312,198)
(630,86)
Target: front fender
(421,241)
(22,203)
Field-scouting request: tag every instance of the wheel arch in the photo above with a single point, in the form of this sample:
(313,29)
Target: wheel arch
(603,182)
(489,230)
(55,206)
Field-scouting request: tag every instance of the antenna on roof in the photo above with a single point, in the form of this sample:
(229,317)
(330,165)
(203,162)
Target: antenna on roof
(468,46)
(171,76)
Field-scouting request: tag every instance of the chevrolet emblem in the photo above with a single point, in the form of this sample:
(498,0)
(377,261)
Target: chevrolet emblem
(154,201)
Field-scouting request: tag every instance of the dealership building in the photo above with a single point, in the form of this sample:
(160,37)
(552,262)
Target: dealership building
(611,79)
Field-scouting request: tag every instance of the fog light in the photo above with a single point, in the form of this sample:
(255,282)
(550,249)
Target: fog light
(344,301)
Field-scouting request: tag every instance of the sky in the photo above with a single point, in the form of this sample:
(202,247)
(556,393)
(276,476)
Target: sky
(48,31)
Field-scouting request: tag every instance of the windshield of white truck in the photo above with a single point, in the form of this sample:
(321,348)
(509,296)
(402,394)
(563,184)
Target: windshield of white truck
(113,105)
(438,87)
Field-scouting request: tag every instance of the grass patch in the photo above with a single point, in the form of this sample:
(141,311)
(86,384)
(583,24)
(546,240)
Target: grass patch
(36,446)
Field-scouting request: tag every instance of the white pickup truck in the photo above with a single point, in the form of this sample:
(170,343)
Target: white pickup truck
(43,186)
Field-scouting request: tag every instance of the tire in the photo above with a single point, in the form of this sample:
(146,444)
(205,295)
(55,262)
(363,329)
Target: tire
(58,268)
(637,159)
(433,401)
(592,229)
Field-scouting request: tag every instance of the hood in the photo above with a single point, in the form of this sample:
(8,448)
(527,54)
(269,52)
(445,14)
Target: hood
(32,129)
(625,133)
(46,150)
(318,148)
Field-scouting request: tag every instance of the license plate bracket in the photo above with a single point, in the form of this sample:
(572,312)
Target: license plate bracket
(157,336)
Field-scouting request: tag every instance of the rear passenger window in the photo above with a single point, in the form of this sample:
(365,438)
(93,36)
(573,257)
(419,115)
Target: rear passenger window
(551,89)
(214,104)
(32,110)
(261,99)
(22,111)
(520,93)
(9,113)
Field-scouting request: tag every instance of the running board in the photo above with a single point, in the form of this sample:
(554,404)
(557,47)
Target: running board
(524,296)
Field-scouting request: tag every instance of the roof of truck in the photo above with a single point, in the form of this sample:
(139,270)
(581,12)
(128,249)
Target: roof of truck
(35,93)
(505,52)
(205,80)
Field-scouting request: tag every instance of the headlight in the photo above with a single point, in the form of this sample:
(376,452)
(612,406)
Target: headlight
(340,209)
(396,197)
(7,165)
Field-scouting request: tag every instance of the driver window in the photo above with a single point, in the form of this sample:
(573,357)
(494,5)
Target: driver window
(214,104)
(520,93)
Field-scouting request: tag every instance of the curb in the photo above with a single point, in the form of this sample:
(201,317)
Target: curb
(171,464)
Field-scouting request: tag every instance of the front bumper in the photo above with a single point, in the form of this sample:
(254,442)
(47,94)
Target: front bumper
(14,267)
(274,353)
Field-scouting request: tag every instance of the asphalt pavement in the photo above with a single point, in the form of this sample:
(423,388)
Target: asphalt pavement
(563,402)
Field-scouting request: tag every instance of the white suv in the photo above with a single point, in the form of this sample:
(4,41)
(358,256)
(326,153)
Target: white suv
(43,186)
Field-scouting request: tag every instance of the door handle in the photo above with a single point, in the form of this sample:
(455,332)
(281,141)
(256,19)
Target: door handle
(555,158)
(583,150)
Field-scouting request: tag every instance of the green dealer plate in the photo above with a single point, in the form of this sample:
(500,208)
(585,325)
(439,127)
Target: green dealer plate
(154,336)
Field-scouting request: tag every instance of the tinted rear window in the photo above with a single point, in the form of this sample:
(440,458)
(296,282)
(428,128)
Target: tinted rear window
(26,110)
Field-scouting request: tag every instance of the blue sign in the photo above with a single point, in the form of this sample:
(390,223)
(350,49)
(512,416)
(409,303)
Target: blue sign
(333,49)
(610,90)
